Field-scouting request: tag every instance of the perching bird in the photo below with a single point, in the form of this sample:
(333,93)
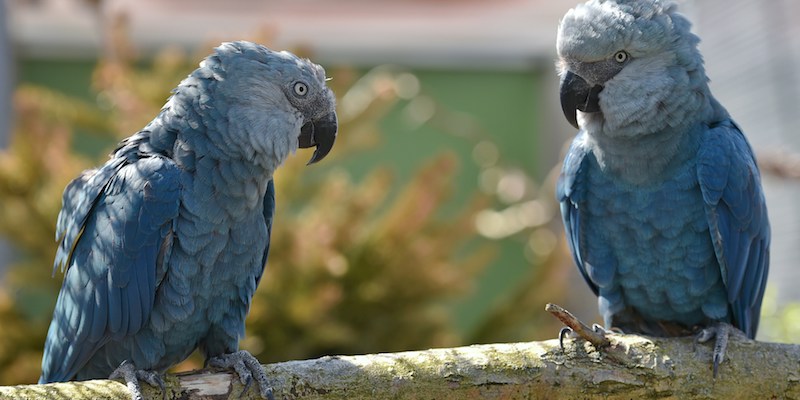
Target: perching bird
(660,193)
(164,245)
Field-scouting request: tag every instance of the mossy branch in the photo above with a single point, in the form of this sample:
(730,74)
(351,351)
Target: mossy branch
(655,368)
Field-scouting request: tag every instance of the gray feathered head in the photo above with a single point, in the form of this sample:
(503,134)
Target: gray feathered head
(262,104)
(631,66)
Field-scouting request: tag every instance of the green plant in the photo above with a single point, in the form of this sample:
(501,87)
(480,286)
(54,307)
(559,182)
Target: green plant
(354,266)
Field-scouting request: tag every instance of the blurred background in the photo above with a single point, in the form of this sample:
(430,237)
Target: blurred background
(433,222)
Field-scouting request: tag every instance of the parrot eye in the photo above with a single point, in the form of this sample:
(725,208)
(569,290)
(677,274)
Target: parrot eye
(300,89)
(621,56)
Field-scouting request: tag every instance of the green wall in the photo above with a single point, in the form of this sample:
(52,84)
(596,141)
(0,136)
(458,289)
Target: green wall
(503,103)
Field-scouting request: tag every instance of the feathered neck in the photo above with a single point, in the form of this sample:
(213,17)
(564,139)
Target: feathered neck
(226,182)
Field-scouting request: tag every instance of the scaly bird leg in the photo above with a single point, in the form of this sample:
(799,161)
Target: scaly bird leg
(720,330)
(132,376)
(248,368)
(596,334)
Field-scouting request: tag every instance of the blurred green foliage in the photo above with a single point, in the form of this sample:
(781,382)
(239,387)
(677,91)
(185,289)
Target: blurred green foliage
(360,262)
(357,265)
(779,323)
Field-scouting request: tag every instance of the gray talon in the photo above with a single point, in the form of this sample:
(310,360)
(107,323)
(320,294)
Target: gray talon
(599,330)
(564,332)
(248,368)
(128,372)
(721,331)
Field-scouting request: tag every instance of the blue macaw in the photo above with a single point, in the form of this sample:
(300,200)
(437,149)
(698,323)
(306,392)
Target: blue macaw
(164,245)
(660,194)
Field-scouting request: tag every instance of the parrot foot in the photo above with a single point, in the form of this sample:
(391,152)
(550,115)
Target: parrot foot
(248,368)
(132,376)
(721,331)
(596,334)
(567,332)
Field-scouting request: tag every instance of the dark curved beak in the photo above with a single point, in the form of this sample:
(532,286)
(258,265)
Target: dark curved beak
(320,133)
(576,94)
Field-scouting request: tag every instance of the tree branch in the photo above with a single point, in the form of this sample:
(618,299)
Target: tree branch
(655,367)
(576,326)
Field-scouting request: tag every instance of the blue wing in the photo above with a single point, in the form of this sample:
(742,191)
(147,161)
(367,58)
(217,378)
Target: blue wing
(114,230)
(269,212)
(570,191)
(737,216)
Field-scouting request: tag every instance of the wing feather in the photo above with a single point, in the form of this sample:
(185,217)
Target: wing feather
(570,191)
(737,217)
(112,229)
(269,212)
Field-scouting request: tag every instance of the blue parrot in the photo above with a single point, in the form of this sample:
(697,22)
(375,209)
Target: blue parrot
(164,245)
(660,194)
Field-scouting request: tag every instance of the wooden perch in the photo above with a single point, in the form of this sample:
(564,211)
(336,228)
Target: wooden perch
(576,326)
(655,368)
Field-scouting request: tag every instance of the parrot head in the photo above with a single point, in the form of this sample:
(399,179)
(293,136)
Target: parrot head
(629,66)
(275,101)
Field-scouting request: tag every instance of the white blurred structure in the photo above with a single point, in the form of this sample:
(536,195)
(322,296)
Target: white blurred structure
(445,33)
(752,52)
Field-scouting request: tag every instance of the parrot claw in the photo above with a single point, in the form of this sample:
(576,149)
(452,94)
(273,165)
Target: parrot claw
(132,376)
(598,329)
(722,332)
(565,332)
(248,368)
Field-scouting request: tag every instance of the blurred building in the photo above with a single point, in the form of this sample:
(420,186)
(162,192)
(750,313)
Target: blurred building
(445,34)
(752,52)
(492,62)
